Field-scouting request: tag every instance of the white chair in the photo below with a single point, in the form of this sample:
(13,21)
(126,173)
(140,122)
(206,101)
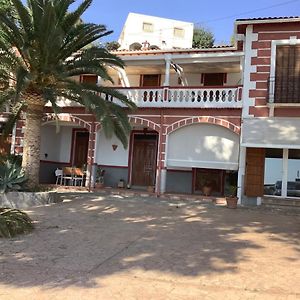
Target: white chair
(59,176)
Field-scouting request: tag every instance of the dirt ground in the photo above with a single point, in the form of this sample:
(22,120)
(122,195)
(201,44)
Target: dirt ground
(117,247)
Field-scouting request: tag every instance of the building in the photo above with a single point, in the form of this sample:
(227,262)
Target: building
(206,118)
(142,31)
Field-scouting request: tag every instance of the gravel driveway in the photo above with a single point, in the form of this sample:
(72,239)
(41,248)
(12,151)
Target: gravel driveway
(116,247)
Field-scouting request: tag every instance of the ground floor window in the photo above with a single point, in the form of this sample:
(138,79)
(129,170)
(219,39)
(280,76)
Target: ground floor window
(282,172)
(273,172)
(293,173)
(213,182)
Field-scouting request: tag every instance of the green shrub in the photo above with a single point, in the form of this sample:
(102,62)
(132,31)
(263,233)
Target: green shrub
(13,222)
(12,176)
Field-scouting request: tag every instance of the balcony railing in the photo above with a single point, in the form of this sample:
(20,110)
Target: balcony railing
(185,97)
(177,97)
(284,90)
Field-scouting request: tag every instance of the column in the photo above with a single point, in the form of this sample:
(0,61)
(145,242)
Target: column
(167,71)
(91,155)
(241,174)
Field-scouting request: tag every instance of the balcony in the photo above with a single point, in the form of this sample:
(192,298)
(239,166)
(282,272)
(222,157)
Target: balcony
(184,97)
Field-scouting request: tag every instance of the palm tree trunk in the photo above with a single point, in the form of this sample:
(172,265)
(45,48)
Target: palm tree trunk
(32,138)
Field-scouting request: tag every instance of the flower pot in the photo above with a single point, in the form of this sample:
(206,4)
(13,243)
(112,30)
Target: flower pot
(99,185)
(150,189)
(206,190)
(231,202)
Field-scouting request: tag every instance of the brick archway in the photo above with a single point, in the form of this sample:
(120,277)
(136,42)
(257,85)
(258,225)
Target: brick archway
(138,121)
(200,120)
(66,118)
(144,122)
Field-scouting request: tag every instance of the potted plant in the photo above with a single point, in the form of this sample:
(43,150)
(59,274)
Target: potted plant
(99,178)
(232,199)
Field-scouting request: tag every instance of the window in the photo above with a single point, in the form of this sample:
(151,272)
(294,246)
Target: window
(178,32)
(293,174)
(286,83)
(273,172)
(213,79)
(147,27)
(282,172)
(89,79)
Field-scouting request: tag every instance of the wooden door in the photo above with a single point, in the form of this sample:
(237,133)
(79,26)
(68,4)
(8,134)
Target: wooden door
(150,80)
(144,160)
(89,79)
(255,172)
(81,148)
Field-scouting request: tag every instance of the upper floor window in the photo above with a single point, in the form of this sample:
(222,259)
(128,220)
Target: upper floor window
(178,32)
(287,74)
(89,79)
(213,79)
(147,27)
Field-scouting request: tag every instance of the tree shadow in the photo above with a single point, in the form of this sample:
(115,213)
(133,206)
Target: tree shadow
(89,236)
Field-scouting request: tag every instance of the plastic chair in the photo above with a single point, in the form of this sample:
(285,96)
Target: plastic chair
(59,176)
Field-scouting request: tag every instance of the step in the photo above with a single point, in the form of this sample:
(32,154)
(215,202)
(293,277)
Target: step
(281,202)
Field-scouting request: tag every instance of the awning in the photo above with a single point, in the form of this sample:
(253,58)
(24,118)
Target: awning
(271,133)
(203,146)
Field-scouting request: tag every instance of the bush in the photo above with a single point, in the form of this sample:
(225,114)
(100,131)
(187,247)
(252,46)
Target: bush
(13,222)
(12,177)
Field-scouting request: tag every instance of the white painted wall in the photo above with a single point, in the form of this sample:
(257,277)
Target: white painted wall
(56,144)
(105,154)
(203,146)
(193,79)
(65,143)
(163,30)
(49,143)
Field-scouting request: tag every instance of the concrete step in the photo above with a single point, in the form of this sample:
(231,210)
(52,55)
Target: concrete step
(281,202)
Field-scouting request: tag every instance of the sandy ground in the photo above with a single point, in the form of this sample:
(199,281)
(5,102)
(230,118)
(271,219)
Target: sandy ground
(114,247)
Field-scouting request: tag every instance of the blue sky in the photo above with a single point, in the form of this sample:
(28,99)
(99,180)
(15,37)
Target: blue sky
(209,13)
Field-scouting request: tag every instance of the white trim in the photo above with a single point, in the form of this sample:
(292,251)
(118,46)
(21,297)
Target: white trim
(263,21)
(248,69)
(202,164)
(277,146)
(285,161)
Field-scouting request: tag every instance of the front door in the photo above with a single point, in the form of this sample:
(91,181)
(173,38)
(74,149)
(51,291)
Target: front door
(144,160)
(81,145)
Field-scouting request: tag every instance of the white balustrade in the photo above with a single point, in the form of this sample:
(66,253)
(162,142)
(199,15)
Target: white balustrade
(223,97)
(202,97)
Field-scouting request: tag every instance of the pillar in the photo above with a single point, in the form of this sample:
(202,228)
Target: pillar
(167,71)
(241,173)
(91,156)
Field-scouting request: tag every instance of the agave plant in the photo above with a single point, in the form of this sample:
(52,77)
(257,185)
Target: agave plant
(12,177)
(13,222)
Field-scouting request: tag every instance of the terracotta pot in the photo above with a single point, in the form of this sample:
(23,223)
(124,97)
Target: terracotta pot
(99,185)
(206,190)
(232,202)
(150,189)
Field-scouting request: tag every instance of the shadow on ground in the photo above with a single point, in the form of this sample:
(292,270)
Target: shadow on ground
(90,236)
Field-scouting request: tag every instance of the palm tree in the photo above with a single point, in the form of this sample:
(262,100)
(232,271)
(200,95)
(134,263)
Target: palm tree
(42,49)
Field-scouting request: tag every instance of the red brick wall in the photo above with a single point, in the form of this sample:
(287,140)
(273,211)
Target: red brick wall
(267,33)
